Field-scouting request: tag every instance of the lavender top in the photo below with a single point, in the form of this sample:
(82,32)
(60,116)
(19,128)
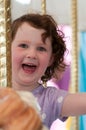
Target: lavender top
(50,100)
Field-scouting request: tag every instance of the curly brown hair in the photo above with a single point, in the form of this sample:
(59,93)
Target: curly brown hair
(46,22)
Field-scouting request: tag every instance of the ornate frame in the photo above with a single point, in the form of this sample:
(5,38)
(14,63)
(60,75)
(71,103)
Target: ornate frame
(5,44)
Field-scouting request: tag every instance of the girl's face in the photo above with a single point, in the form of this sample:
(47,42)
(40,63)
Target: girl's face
(30,56)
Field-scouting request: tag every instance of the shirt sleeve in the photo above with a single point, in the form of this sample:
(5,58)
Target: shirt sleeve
(56,98)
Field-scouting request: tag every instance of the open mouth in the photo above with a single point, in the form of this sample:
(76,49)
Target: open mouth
(29,68)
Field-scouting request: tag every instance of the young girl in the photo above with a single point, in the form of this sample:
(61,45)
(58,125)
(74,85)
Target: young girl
(38,48)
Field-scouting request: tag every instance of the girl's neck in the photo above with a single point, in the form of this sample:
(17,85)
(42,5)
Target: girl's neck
(24,87)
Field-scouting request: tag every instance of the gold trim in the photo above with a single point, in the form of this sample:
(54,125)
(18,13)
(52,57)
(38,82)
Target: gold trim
(5,44)
(8,40)
(2,45)
(43,6)
(74,64)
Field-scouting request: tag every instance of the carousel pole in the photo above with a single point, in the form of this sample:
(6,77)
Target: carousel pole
(5,68)
(2,46)
(8,40)
(74,64)
(43,6)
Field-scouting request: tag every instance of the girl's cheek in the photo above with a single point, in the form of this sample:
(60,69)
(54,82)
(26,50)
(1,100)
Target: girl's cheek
(15,58)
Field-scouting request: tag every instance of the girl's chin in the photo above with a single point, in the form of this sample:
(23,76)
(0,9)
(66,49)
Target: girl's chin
(27,81)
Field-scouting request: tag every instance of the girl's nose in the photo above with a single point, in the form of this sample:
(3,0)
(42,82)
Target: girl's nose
(31,53)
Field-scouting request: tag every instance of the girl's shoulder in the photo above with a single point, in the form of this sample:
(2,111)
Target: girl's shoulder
(53,91)
(50,92)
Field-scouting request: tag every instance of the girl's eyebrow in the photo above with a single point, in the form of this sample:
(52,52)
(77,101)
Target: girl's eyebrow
(23,41)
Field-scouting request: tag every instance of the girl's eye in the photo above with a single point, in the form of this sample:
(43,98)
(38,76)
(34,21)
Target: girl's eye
(41,49)
(23,45)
